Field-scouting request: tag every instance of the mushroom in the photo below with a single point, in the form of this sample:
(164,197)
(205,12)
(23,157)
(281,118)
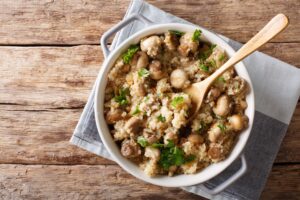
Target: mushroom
(142,61)
(155,70)
(195,139)
(223,106)
(178,78)
(130,149)
(151,45)
(214,133)
(237,122)
(187,45)
(134,125)
(113,116)
(213,94)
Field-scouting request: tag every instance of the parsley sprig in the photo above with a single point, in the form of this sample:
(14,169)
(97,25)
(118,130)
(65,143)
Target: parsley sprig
(142,141)
(222,127)
(173,155)
(177,101)
(161,118)
(176,33)
(127,56)
(204,55)
(121,99)
(143,72)
(196,35)
(204,67)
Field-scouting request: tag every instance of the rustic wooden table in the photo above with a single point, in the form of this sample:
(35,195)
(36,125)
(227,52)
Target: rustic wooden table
(50,57)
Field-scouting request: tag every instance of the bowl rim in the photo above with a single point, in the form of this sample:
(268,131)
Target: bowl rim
(183,180)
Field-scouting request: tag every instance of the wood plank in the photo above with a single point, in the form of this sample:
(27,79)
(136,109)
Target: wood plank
(39,97)
(48,77)
(102,182)
(41,136)
(283,183)
(51,77)
(67,22)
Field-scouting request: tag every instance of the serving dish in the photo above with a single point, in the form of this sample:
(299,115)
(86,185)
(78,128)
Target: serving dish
(179,180)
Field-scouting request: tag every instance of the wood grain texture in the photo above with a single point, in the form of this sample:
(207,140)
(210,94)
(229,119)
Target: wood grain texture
(43,91)
(111,182)
(83,21)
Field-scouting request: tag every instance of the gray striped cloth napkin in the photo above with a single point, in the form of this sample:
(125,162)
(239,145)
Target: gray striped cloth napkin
(276,88)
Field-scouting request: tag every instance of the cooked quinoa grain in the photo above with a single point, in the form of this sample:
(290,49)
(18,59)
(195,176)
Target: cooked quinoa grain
(147,111)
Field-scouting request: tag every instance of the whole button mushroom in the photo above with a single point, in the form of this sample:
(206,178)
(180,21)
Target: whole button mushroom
(151,45)
(134,125)
(237,122)
(223,106)
(155,70)
(130,149)
(178,78)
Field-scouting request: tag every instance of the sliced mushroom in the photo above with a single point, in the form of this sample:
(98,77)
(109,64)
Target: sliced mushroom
(195,139)
(155,70)
(151,45)
(178,78)
(223,106)
(113,116)
(213,94)
(130,149)
(134,125)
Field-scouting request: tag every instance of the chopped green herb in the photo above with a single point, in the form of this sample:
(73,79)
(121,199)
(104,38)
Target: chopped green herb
(222,127)
(204,55)
(121,98)
(190,158)
(136,111)
(143,72)
(161,118)
(127,56)
(142,141)
(196,35)
(173,155)
(204,67)
(202,127)
(212,46)
(221,57)
(221,79)
(212,63)
(176,101)
(177,33)
(157,145)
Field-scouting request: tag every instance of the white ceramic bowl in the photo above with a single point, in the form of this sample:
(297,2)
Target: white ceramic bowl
(178,180)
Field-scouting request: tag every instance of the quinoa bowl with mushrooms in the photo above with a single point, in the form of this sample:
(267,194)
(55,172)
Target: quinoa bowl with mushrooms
(142,113)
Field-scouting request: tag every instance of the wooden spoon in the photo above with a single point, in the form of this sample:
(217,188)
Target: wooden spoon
(198,90)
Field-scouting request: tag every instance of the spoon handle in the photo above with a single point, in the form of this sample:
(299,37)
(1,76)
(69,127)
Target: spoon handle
(275,26)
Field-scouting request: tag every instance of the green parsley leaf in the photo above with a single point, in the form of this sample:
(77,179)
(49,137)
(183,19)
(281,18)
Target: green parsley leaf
(143,72)
(177,33)
(142,141)
(176,101)
(196,35)
(221,57)
(213,63)
(146,99)
(204,67)
(121,98)
(136,111)
(189,158)
(222,127)
(157,145)
(170,144)
(161,118)
(127,56)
